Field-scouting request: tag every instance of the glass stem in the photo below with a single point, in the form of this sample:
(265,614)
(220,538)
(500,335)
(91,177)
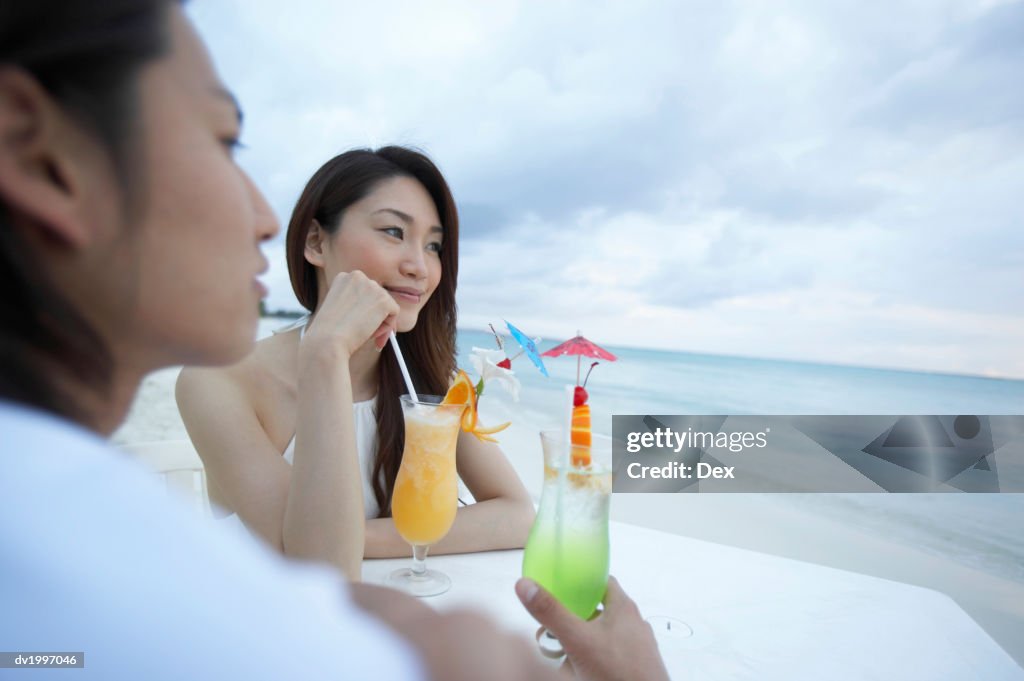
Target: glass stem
(419,559)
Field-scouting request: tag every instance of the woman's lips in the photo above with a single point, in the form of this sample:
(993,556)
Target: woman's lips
(406,294)
(260,288)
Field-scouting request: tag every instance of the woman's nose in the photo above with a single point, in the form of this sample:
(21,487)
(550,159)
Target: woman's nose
(413,263)
(266,224)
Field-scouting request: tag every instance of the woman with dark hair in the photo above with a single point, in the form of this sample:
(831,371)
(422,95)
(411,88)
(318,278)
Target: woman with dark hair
(372,245)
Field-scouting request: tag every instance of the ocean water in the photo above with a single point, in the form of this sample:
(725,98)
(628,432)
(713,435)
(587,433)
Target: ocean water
(661,382)
(981,531)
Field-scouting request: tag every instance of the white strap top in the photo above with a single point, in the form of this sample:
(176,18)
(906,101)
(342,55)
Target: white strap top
(365,418)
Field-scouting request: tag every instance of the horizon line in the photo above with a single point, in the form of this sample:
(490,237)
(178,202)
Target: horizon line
(293,314)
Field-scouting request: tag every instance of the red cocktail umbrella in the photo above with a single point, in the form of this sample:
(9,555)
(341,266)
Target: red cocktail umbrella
(580,347)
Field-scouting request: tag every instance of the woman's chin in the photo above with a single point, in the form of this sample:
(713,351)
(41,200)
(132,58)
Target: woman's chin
(406,322)
(240,351)
(224,348)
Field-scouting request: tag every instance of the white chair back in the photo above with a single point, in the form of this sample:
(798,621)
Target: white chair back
(179,466)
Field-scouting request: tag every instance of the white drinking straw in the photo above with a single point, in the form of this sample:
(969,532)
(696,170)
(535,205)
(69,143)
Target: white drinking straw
(570,393)
(404,368)
(563,471)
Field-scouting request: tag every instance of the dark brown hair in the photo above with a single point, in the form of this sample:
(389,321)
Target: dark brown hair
(429,348)
(86,54)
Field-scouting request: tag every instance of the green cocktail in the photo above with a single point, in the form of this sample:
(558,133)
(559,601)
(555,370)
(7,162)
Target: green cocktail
(567,552)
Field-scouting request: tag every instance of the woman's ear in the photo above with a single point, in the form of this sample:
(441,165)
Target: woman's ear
(40,151)
(316,239)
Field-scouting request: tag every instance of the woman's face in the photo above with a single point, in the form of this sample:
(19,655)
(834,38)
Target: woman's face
(394,237)
(196,235)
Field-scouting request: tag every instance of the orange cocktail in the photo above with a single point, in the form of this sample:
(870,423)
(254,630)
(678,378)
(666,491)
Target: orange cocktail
(426,489)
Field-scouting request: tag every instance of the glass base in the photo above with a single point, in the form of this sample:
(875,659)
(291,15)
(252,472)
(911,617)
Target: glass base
(419,584)
(669,627)
(549,645)
(679,634)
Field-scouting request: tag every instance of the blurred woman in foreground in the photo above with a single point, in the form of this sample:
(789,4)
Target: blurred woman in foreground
(129,240)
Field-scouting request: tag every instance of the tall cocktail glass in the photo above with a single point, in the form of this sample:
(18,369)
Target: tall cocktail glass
(426,490)
(567,552)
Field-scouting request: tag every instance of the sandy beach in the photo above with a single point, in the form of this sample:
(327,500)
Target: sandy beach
(869,534)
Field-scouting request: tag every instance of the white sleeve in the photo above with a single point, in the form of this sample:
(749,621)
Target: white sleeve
(96,559)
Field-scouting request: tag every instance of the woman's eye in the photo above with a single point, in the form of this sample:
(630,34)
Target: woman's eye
(232,144)
(394,231)
(434,246)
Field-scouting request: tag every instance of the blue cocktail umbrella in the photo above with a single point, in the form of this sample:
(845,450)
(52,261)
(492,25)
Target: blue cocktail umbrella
(528,346)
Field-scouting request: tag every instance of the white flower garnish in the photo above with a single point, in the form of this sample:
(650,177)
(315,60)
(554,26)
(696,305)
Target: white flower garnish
(485,364)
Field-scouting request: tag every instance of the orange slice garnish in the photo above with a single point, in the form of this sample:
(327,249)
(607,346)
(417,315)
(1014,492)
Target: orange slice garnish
(484,434)
(580,435)
(464,392)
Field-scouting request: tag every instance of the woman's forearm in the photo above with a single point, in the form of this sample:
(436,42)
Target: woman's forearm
(323,517)
(501,523)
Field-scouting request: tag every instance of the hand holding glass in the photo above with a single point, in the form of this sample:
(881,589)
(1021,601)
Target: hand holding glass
(567,552)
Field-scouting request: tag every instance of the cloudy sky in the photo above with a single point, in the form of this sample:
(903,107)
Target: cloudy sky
(800,180)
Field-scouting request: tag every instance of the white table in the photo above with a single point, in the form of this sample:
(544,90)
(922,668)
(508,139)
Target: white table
(754,616)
